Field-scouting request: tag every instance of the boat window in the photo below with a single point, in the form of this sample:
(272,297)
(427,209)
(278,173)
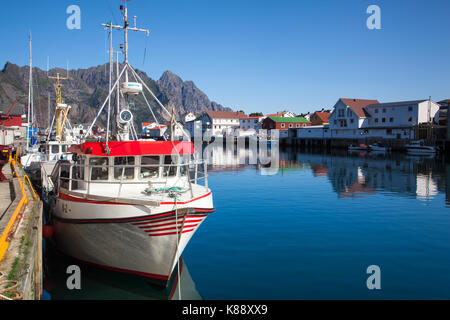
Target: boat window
(77,173)
(55,148)
(170,168)
(99,169)
(149,167)
(63,148)
(122,163)
(183,170)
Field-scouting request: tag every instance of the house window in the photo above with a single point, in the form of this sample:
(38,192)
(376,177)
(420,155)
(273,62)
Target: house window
(376,110)
(376,120)
(335,122)
(389,132)
(384,110)
(391,119)
(298,125)
(383,120)
(349,112)
(304,125)
(410,108)
(352,120)
(290,125)
(282,125)
(410,119)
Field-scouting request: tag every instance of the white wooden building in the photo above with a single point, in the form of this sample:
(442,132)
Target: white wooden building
(220,123)
(361,118)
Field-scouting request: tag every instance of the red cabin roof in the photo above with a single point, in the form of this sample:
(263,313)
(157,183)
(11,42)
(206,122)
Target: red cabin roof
(134,148)
(11,121)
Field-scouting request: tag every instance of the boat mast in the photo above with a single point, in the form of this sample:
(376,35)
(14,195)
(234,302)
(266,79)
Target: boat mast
(30,94)
(123,125)
(61,108)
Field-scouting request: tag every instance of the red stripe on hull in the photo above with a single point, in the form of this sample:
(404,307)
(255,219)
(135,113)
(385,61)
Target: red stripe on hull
(170,228)
(169,233)
(154,224)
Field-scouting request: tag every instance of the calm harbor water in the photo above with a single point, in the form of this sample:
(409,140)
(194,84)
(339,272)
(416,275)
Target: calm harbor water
(309,231)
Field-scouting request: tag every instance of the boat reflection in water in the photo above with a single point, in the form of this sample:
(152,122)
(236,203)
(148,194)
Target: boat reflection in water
(108,285)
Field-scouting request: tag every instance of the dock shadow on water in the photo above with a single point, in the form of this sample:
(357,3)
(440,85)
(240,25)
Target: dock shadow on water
(308,228)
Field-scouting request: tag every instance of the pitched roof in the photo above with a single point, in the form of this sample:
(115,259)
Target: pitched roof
(396,104)
(225,114)
(322,115)
(357,105)
(289,119)
(244,118)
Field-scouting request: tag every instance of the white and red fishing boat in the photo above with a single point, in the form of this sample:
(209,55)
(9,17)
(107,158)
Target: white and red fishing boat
(129,205)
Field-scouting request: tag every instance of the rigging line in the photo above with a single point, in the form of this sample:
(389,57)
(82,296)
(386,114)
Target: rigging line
(149,107)
(176,253)
(159,102)
(111,11)
(145,50)
(104,103)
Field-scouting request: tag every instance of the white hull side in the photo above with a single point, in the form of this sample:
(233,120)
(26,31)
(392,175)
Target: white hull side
(127,238)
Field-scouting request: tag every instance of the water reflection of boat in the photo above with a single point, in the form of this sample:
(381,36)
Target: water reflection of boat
(108,285)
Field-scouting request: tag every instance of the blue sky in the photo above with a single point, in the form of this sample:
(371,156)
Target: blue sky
(254,55)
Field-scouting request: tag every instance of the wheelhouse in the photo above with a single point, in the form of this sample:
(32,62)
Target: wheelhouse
(125,164)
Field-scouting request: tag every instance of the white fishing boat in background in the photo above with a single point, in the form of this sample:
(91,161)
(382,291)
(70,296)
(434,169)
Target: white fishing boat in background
(127,205)
(418,147)
(379,147)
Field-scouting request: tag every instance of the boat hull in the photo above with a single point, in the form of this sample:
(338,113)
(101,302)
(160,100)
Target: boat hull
(141,244)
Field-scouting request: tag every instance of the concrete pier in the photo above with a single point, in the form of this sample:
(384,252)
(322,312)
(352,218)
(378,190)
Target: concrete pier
(20,239)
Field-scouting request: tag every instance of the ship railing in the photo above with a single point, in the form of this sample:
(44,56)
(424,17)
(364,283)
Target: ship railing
(71,175)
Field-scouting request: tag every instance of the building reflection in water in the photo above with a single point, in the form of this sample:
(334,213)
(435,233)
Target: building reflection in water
(350,174)
(362,174)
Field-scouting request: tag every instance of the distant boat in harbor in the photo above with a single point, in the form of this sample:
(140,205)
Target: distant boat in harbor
(360,147)
(379,147)
(418,147)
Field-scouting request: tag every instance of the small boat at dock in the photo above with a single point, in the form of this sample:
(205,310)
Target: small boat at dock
(360,147)
(379,147)
(418,148)
(125,204)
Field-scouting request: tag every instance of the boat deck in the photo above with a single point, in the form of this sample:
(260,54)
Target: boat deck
(135,193)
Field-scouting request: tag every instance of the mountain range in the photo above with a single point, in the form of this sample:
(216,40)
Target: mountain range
(86,90)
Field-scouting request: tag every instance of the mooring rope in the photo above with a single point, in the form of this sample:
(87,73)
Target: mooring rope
(18,296)
(176,253)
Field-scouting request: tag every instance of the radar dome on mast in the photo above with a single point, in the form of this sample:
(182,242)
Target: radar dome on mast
(131,88)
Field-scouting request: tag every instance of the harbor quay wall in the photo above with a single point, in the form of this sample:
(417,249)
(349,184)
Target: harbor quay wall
(21,265)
